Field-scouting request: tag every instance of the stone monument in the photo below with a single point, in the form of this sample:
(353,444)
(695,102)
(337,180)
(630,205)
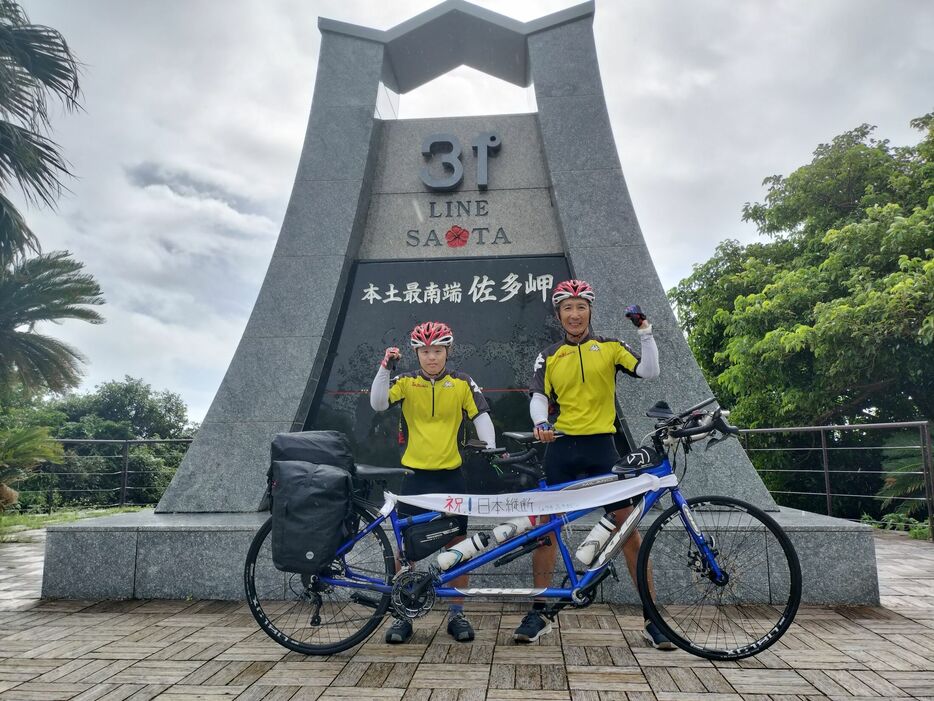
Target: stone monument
(390,222)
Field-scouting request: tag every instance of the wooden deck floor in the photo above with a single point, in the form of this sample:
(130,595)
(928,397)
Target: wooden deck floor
(174,650)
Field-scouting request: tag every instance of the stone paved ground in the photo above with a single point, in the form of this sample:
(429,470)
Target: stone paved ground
(174,650)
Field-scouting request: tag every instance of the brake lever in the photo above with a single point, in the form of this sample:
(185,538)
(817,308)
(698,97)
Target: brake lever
(721,428)
(714,440)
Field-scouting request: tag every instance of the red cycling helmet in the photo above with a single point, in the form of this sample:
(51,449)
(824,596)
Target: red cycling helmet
(431,333)
(572,288)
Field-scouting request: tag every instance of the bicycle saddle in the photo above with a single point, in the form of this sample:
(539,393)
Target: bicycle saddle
(644,457)
(374,473)
(660,410)
(520,436)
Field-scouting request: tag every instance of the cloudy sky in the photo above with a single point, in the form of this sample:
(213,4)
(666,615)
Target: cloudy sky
(194,114)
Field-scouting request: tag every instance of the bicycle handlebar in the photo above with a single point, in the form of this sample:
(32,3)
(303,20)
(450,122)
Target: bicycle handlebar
(688,412)
(717,424)
(723,426)
(685,432)
(515,459)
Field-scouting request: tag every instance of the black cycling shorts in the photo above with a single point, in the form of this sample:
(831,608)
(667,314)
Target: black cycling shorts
(433,482)
(576,457)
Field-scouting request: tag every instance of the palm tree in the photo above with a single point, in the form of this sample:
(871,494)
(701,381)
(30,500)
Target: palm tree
(21,450)
(48,287)
(904,486)
(35,63)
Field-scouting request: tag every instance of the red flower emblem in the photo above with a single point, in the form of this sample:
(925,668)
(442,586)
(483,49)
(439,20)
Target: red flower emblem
(457,236)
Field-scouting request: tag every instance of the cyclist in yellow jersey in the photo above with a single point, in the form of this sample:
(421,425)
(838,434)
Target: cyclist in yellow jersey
(434,402)
(574,381)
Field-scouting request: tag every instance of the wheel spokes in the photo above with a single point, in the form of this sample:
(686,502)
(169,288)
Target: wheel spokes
(303,612)
(725,619)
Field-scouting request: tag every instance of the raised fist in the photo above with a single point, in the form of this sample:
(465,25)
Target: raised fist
(635,315)
(391,356)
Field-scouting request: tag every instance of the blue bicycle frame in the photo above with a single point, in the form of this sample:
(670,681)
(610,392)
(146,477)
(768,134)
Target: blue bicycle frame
(356,580)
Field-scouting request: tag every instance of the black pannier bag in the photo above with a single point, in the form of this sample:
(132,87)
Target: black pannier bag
(311,514)
(423,539)
(318,447)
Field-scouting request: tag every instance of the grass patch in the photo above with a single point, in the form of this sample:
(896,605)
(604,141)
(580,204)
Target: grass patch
(12,523)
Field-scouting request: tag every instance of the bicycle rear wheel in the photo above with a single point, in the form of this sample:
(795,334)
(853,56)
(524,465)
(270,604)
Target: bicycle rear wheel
(303,613)
(735,619)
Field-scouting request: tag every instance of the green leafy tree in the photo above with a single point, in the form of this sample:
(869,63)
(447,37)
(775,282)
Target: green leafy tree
(91,474)
(122,409)
(846,338)
(830,320)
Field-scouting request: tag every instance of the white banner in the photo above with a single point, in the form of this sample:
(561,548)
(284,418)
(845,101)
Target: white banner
(533,503)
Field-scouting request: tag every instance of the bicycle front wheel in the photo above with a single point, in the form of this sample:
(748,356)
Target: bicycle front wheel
(739,616)
(304,614)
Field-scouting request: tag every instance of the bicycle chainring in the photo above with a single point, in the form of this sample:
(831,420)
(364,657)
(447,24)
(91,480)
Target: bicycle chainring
(406,600)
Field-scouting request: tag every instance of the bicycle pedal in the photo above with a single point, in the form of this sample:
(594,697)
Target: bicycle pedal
(551,614)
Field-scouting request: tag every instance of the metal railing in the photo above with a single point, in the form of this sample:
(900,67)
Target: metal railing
(122,469)
(923,447)
(829,444)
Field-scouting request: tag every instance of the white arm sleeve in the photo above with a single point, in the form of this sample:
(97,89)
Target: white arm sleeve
(538,409)
(485,431)
(379,391)
(648,365)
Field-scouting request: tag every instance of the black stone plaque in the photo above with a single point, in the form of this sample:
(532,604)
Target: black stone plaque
(501,315)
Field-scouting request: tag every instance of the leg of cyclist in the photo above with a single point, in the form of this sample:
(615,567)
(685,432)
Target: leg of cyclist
(543,565)
(401,628)
(631,552)
(596,457)
(429,482)
(558,458)
(571,458)
(534,624)
(459,627)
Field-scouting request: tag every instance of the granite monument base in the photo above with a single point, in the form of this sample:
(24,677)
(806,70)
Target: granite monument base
(177,556)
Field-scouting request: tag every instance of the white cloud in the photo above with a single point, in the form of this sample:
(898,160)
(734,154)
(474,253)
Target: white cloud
(195,115)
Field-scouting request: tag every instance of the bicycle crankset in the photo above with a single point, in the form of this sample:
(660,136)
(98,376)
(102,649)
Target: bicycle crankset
(585,597)
(413,594)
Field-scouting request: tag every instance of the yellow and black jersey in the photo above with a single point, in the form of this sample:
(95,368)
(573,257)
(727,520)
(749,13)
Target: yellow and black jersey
(580,382)
(432,413)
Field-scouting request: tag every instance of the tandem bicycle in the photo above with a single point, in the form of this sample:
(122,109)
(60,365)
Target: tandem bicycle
(717,575)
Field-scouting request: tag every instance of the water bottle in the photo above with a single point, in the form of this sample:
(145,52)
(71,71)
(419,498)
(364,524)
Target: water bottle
(595,540)
(514,527)
(464,550)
